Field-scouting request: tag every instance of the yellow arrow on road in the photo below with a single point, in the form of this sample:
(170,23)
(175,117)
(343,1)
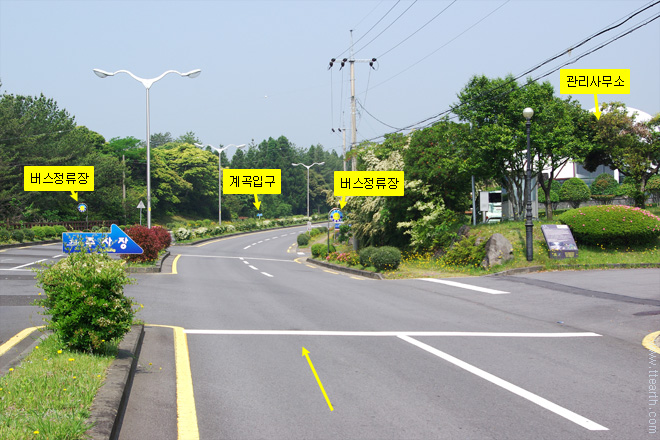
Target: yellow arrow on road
(305,353)
(256,202)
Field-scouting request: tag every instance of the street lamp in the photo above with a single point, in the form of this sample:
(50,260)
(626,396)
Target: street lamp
(309,222)
(528,113)
(219,150)
(147,83)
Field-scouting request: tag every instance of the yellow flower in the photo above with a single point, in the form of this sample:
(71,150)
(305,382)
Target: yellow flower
(74,377)
(11,369)
(64,389)
(71,359)
(59,351)
(36,432)
(36,347)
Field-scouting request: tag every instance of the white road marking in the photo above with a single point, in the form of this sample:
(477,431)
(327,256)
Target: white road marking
(241,258)
(248,246)
(254,244)
(246,262)
(58,256)
(283,235)
(544,403)
(261,241)
(267,239)
(301,253)
(252,267)
(28,264)
(387,333)
(465,286)
(267,274)
(274,238)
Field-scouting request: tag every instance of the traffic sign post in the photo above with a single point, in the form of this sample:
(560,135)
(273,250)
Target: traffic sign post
(116,242)
(140,206)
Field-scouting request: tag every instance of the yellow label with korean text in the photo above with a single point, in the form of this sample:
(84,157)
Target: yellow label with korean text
(58,178)
(368,183)
(251,181)
(594,81)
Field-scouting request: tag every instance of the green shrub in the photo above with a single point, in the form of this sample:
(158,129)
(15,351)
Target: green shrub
(365,256)
(318,248)
(616,225)
(95,229)
(314,232)
(604,184)
(48,231)
(386,258)
(84,302)
(653,187)
(344,233)
(554,196)
(574,191)
(303,240)
(28,234)
(4,235)
(59,230)
(17,235)
(38,232)
(465,253)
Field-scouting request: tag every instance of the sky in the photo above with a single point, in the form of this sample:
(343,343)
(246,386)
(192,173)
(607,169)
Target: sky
(265,63)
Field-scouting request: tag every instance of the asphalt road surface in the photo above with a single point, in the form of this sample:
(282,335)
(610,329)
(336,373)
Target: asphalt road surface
(538,356)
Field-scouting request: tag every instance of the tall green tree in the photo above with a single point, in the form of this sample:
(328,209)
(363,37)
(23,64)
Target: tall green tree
(628,145)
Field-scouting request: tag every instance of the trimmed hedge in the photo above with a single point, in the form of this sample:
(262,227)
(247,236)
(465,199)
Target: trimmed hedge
(616,225)
(152,241)
(320,250)
(365,256)
(303,239)
(386,258)
(574,191)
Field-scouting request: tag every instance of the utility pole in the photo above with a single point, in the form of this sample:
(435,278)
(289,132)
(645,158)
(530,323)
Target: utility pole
(343,132)
(352,62)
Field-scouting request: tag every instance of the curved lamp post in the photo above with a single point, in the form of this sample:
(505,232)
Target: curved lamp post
(528,113)
(147,83)
(219,150)
(308,167)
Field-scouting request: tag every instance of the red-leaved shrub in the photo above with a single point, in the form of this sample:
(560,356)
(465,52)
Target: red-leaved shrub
(150,240)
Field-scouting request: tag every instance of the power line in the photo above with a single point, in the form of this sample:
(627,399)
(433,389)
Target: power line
(365,34)
(553,70)
(423,26)
(446,44)
(388,26)
(367,111)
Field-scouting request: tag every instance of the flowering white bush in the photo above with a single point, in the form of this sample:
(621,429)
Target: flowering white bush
(182,234)
(200,232)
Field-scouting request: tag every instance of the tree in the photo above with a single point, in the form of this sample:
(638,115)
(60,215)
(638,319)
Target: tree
(188,138)
(494,108)
(158,139)
(574,191)
(625,144)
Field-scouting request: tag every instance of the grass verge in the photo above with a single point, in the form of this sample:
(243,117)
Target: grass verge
(416,265)
(50,394)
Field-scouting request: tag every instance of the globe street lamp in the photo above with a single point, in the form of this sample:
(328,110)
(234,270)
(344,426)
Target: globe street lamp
(219,150)
(147,83)
(528,113)
(309,222)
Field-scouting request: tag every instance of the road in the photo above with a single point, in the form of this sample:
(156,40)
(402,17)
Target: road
(543,356)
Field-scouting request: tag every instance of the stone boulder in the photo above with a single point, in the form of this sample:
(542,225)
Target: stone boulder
(498,250)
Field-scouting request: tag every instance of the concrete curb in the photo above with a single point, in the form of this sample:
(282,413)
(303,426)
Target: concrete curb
(364,273)
(30,243)
(530,269)
(152,269)
(110,401)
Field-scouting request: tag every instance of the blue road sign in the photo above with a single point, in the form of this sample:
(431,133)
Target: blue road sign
(116,241)
(336,215)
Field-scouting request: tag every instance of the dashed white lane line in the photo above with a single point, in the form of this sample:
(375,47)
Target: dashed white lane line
(260,241)
(267,274)
(274,238)
(544,403)
(283,235)
(465,286)
(246,262)
(252,267)
(267,239)
(28,264)
(248,246)
(301,253)
(241,258)
(254,244)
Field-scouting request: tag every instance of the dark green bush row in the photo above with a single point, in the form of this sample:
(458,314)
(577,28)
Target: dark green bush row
(465,253)
(381,258)
(616,225)
(37,233)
